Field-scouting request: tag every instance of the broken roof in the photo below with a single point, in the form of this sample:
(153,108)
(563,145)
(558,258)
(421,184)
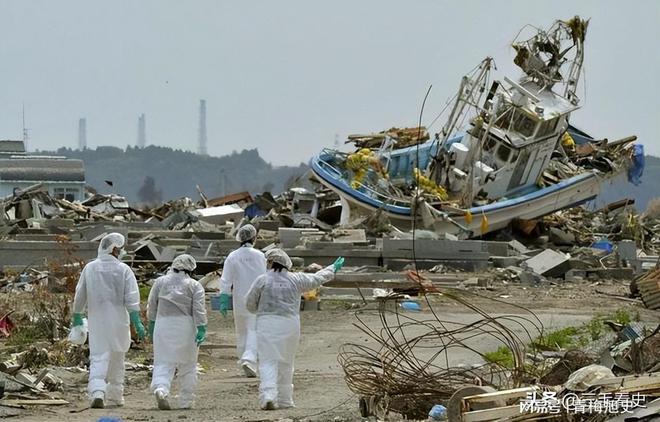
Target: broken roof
(11,147)
(42,169)
(231,199)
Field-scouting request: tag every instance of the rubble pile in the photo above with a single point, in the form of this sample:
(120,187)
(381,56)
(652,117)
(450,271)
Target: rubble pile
(45,242)
(394,372)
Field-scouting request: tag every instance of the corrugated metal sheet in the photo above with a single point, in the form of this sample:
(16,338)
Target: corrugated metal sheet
(649,288)
(42,169)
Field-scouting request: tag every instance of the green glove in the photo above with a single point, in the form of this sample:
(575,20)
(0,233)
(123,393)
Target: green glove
(339,262)
(224,303)
(152,327)
(201,334)
(137,324)
(77,320)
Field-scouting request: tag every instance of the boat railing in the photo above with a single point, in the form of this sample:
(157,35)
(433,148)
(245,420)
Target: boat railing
(363,188)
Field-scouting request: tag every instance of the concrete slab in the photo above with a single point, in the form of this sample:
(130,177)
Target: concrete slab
(549,263)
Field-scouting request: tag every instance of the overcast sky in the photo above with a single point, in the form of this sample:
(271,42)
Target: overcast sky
(286,77)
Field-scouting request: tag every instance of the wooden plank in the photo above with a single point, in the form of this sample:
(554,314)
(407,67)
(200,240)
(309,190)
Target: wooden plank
(396,280)
(389,284)
(491,414)
(36,402)
(434,277)
(630,381)
(504,395)
(210,346)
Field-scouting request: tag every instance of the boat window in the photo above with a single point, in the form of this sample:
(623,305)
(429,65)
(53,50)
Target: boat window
(490,144)
(503,153)
(514,156)
(523,123)
(547,127)
(503,120)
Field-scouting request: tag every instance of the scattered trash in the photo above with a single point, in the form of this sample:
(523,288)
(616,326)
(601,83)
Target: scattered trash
(411,306)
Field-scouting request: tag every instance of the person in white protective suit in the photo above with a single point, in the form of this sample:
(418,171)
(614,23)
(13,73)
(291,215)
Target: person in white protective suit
(177,325)
(275,298)
(240,269)
(108,289)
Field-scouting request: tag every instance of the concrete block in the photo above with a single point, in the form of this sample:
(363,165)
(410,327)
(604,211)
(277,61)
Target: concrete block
(575,275)
(506,261)
(612,273)
(38,253)
(561,238)
(220,215)
(349,235)
(627,249)
(518,247)
(426,264)
(549,263)
(495,248)
(291,237)
(463,250)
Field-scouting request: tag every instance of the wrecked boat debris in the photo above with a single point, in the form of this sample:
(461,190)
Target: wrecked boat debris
(517,156)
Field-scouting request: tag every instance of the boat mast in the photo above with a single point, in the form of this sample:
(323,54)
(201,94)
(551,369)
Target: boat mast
(578,30)
(469,93)
(543,56)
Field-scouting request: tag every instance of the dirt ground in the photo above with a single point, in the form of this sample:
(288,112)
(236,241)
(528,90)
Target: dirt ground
(321,394)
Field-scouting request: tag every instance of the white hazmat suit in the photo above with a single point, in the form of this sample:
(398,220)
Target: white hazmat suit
(176,304)
(241,268)
(275,298)
(108,289)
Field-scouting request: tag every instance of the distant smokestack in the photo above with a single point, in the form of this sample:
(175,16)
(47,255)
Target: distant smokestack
(202,128)
(25,132)
(142,131)
(82,134)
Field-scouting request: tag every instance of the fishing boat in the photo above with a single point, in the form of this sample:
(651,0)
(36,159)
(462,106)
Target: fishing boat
(506,151)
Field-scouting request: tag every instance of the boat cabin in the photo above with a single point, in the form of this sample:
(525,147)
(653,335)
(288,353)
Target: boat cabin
(524,123)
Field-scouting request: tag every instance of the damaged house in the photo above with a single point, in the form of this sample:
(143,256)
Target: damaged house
(64,178)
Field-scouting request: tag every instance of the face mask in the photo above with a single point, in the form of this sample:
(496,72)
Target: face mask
(122,254)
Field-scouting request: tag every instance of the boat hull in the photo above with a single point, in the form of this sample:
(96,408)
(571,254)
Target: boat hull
(565,194)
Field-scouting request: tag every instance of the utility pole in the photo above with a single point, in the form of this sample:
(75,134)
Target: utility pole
(202,150)
(82,134)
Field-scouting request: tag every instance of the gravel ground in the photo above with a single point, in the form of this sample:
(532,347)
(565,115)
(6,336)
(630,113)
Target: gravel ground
(320,391)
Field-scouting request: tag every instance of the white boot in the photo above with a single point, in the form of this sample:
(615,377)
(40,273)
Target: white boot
(97,400)
(268,405)
(161,400)
(249,370)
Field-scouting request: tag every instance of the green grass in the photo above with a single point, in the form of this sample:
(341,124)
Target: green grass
(568,337)
(502,356)
(25,335)
(595,328)
(558,339)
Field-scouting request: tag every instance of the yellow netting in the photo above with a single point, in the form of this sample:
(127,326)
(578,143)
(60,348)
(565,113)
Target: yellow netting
(360,162)
(430,186)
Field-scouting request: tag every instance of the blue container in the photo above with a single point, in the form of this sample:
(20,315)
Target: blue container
(411,306)
(603,244)
(438,413)
(215,303)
